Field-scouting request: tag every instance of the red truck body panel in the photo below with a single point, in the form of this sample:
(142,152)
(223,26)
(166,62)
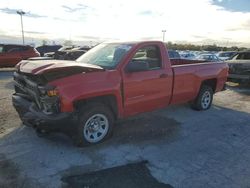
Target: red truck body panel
(89,85)
(144,91)
(188,79)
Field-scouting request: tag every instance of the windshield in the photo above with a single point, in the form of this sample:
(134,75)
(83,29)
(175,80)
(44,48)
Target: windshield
(105,55)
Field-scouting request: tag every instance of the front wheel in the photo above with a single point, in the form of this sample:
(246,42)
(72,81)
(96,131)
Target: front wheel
(204,99)
(95,124)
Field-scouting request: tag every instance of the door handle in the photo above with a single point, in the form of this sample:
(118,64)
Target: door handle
(163,75)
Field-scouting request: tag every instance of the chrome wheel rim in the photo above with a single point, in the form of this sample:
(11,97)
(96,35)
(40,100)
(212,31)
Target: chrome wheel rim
(96,128)
(206,100)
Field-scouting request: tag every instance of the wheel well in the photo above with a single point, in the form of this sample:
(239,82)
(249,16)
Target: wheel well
(108,100)
(211,82)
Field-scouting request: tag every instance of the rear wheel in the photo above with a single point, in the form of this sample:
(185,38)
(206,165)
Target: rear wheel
(204,99)
(95,124)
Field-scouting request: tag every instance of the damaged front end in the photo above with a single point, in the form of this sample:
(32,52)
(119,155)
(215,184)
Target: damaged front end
(38,103)
(37,91)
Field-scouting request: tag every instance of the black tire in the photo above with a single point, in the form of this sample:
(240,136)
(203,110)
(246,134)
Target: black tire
(86,114)
(205,96)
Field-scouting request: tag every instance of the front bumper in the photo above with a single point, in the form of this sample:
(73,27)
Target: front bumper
(31,116)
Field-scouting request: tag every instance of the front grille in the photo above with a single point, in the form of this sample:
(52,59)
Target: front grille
(27,87)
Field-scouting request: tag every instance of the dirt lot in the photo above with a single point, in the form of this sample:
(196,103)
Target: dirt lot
(175,147)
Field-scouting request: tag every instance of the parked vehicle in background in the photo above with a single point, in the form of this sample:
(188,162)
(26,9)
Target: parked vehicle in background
(226,55)
(187,55)
(75,53)
(173,54)
(40,58)
(47,48)
(68,53)
(208,57)
(11,54)
(86,48)
(60,53)
(119,80)
(239,67)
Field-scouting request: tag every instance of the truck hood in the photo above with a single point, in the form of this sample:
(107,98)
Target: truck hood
(38,67)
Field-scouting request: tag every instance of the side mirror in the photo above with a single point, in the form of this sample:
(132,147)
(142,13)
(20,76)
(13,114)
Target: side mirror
(137,66)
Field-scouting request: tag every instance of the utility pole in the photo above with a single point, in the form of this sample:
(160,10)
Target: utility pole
(163,35)
(21,13)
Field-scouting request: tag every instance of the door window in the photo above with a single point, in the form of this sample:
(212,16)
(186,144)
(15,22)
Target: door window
(150,55)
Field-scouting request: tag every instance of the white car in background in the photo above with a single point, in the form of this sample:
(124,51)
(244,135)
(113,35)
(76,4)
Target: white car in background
(208,57)
(226,55)
(187,55)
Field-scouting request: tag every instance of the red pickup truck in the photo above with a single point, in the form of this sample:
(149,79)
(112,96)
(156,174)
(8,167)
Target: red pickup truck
(111,81)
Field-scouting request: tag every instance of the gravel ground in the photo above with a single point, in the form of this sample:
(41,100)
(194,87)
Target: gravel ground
(182,147)
(8,116)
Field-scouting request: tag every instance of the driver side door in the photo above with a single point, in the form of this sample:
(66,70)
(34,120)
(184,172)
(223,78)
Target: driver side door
(150,89)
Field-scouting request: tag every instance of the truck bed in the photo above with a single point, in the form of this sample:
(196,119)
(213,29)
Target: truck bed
(188,77)
(185,61)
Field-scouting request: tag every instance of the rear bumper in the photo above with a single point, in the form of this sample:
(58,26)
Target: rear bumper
(31,116)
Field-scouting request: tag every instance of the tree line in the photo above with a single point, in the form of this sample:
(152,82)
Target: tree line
(193,47)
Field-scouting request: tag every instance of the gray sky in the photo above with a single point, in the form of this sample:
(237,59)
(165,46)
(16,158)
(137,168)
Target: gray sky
(196,21)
